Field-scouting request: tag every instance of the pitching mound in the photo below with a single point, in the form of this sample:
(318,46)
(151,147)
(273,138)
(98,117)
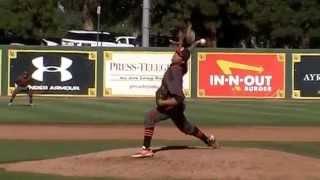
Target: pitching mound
(180,162)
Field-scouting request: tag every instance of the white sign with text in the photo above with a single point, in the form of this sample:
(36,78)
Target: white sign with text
(137,74)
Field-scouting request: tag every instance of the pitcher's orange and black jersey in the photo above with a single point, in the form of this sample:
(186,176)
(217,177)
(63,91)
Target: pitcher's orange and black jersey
(172,85)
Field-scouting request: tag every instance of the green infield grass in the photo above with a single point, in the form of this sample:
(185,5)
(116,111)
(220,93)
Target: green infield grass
(32,176)
(131,111)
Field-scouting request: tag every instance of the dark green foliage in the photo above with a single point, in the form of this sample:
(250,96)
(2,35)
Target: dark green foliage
(261,23)
(30,18)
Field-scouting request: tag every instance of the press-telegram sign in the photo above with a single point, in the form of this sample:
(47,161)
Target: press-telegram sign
(71,73)
(306,76)
(137,73)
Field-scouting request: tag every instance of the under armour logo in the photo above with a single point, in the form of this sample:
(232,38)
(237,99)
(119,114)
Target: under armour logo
(65,64)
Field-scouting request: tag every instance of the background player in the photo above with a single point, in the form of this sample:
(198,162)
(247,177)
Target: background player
(22,85)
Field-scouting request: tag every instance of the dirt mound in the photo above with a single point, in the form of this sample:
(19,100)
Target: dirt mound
(180,162)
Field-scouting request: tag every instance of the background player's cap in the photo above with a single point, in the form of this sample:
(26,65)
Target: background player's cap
(184,53)
(26,74)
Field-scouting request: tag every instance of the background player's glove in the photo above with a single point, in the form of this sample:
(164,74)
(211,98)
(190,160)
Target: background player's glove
(29,87)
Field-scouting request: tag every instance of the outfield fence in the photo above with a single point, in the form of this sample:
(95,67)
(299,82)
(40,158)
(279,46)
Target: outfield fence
(137,72)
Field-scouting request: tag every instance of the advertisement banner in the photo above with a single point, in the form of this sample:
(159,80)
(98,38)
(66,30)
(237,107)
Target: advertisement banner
(1,71)
(306,76)
(53,72)
(137,74)
(241,75)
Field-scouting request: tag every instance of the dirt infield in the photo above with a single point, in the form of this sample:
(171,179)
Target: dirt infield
(172,162)
(90,132)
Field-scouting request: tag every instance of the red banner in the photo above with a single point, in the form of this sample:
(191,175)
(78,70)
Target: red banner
(241,75)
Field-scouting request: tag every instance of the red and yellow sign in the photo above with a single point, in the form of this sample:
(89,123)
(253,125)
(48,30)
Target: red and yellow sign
(241,75)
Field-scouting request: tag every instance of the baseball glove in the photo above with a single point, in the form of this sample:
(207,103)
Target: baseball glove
(162,93)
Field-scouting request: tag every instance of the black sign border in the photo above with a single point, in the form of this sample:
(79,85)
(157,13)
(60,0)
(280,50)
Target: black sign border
(296,58)
(92,55)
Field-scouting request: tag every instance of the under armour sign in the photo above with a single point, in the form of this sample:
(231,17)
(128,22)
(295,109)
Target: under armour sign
(65,64)
(55,72)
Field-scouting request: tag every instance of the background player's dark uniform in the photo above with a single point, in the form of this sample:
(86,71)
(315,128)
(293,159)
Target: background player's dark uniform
(22,85)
